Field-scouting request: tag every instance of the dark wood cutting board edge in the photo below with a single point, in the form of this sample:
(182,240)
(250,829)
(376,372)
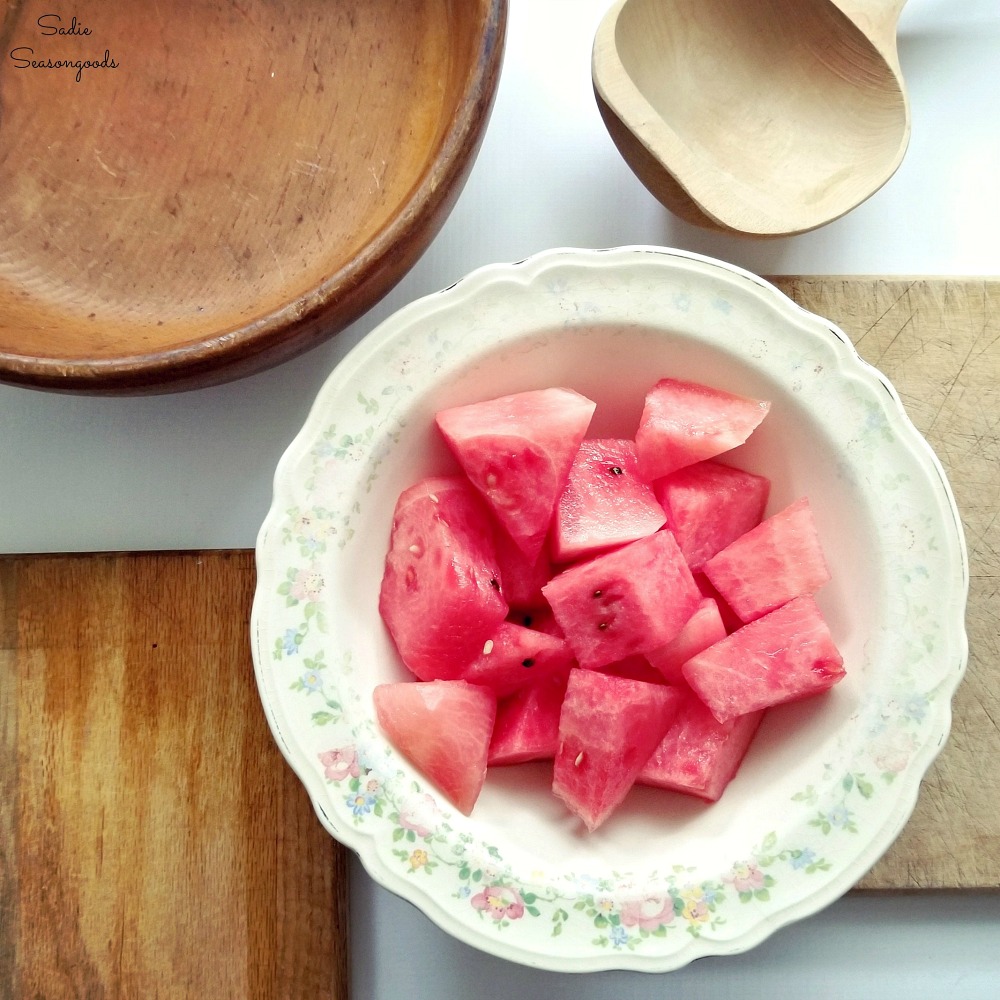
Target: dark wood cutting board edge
(127,703)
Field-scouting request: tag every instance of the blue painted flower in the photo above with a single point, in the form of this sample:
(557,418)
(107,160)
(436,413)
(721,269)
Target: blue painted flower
(311,681)
(916,707)
(361,802)
(839,816)
(709,894)
(804,858)
(464,892)
(619,936)
(290,641)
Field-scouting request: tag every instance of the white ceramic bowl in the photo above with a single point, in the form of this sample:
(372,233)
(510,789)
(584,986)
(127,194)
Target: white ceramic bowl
(828,783)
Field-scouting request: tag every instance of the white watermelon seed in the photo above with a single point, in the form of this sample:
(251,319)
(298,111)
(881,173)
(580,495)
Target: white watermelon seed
(579,759)
(416,549)
(432,497)
(488,647)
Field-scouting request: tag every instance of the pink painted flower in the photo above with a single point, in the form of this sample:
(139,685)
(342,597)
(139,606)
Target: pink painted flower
(647,914)
(307,585)
(420,814)
(499,901)
(746,877)
(892,750)
(340,763)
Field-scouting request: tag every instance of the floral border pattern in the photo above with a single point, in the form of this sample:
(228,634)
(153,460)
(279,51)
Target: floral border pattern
(307,677)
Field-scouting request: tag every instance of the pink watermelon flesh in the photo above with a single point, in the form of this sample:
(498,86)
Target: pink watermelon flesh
(515,656)
(608,727)
(786,655)
(636,668)
(517,451)
(441,590)
(700,755)
(626,601)
(710,505)
(527,722)
(683,423)
(443,728)
(523,577)
(539,618)
(704,628)
(730,619)
(780,559)
(605,502)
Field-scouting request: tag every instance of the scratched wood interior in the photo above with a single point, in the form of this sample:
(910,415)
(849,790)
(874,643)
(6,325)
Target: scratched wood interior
(154,842)
(234,184)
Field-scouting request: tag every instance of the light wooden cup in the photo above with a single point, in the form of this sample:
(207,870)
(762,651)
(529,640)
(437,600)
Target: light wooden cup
(761,117)
(230,184)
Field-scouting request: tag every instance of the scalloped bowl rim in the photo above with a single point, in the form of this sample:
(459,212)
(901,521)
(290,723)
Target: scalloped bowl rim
(909,744)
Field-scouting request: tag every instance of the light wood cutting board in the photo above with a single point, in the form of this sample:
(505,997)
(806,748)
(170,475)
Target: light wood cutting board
(154,843)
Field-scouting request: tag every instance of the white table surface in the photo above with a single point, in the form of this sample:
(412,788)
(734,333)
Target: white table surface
(194,470)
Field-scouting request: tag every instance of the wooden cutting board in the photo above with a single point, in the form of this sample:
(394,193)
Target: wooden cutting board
(154,843)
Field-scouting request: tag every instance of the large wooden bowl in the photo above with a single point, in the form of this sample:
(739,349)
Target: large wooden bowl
(230,184)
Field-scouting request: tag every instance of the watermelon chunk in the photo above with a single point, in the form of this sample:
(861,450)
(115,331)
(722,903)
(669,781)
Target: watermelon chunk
(704,628)
(780,559)
(784,656)
(443,728)
(523,577)
(699,755)
(527,722)
(440,595)
(730,619)
(539,618)
(710,505)
(684,422)
(635,667)
(626,601)
(608,727)
(516,655)
(517,451)
(605,502)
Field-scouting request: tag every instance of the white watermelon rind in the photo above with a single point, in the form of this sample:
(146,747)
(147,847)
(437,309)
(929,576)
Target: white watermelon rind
(829,786)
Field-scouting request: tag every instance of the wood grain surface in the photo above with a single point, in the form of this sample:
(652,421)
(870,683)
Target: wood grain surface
(153,842)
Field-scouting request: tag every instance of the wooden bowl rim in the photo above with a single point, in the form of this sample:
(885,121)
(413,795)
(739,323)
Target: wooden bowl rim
(321,312)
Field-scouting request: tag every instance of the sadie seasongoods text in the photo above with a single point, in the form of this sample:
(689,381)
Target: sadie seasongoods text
(25,57)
